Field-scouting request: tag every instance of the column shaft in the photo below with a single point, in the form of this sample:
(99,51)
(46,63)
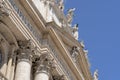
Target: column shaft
(44,67)
(23,70)
(41,76)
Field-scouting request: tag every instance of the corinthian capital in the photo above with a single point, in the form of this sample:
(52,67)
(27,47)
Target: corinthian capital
(26,49)
(4,11)
(44,63)
(25,44)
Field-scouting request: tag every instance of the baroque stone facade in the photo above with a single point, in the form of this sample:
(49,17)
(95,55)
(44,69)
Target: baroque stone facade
(38,42)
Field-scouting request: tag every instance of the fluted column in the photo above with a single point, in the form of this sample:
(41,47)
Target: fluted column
(23,68)
(43,68)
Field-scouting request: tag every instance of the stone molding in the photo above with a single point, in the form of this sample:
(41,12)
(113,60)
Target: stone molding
(58,77)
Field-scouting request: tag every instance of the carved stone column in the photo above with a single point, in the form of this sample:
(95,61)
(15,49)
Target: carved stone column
(24,57)
(43,67)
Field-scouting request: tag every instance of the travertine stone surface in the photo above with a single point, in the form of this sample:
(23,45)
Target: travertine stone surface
(4,11)
(44,66)
(11,56)
(42,76)
(23,71)
(24,60)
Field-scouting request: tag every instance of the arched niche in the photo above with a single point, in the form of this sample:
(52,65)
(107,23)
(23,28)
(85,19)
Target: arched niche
(7,34)
(6,40)
(4,50)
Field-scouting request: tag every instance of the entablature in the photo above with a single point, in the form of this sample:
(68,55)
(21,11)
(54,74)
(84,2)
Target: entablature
(30,31)
(70,42)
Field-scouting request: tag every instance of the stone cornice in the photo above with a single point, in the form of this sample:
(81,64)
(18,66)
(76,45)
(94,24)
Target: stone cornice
(67,38)
(34,14)
(67,57)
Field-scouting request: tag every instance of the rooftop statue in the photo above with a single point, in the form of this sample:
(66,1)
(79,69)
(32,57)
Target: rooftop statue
(86,53)
(82,44)
(75,31)
(95,75)
(74,53)
(50,1)
(70,15)
(61,4)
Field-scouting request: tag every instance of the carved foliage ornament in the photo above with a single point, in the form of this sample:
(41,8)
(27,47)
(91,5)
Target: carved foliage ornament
(4,11)
(44,63)
(26,50)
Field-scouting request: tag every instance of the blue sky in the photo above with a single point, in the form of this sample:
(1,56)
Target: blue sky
(99,27)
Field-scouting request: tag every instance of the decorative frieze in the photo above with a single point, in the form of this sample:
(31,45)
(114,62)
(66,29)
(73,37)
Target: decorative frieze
(25,21)
(36,35)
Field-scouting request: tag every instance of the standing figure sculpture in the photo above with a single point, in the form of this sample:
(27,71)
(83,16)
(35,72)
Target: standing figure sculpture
(75,31)
(74,53)
(70,15)
(49,1)
(96,75)
(61,5)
